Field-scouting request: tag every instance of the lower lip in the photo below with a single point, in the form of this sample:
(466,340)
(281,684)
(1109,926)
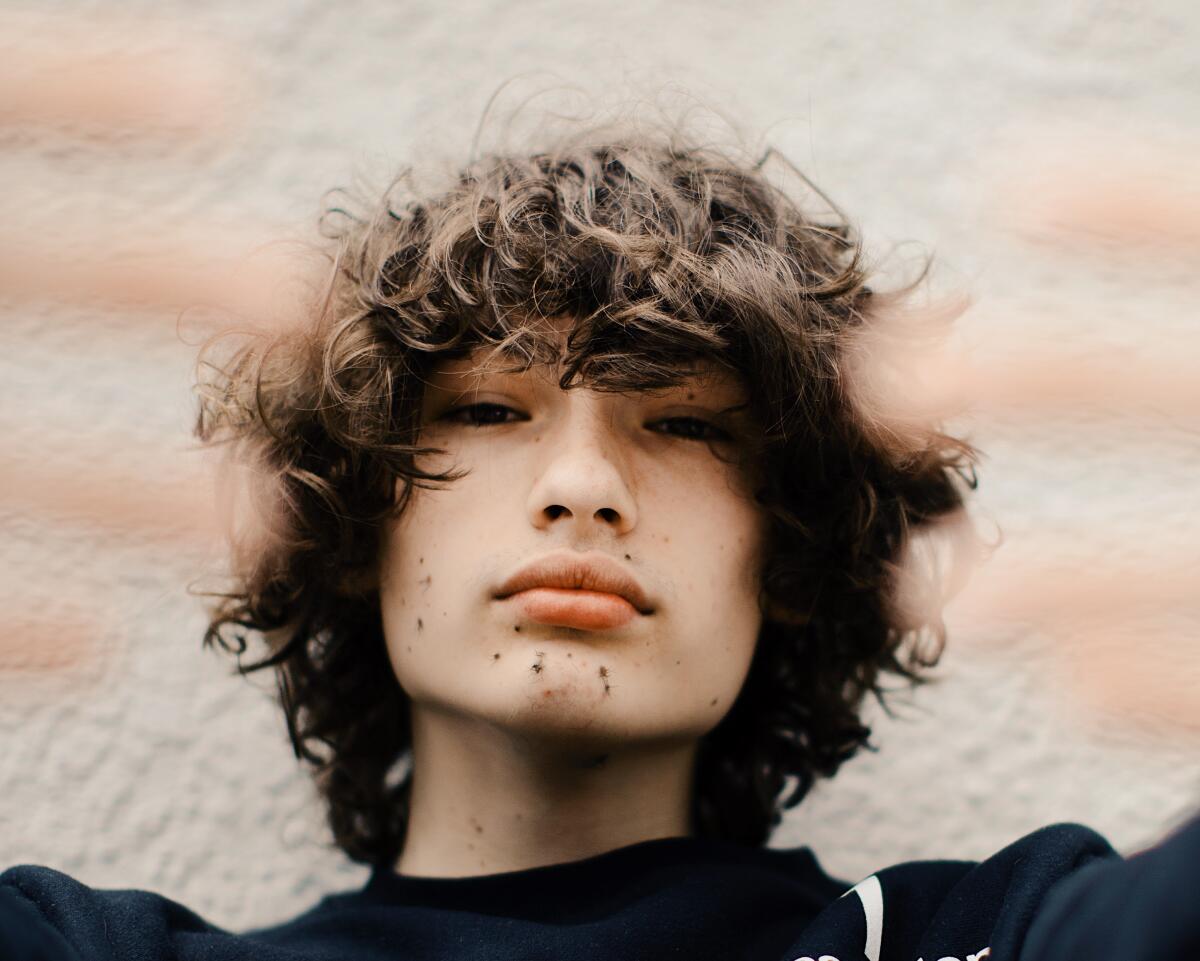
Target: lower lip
(585,610)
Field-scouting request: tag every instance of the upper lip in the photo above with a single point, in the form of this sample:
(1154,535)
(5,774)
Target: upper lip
(567,569)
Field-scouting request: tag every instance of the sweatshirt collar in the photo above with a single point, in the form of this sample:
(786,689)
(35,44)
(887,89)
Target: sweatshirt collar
(549,890)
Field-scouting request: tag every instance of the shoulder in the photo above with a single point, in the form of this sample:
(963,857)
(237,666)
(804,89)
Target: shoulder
(1034,862)
(1044,855)
(995,898)
(954,908)
(45,913)
(45,908)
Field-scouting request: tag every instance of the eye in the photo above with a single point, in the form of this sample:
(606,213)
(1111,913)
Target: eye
(693,428)
(479,415)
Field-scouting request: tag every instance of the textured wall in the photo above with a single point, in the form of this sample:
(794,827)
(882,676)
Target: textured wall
(151,767)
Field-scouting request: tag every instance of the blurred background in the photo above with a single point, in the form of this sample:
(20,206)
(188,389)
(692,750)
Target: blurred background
(129,757)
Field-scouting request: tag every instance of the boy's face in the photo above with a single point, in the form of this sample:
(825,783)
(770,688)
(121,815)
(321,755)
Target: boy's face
(575,475)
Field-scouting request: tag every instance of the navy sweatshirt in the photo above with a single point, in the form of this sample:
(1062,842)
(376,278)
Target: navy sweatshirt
(1058,894)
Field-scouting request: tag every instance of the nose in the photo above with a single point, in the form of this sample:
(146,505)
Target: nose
(584,483)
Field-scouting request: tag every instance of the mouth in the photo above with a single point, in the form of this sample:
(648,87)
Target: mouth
(590,591)
(574,607)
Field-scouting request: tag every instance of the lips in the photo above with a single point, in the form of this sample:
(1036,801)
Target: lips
(582,610)
(589,590)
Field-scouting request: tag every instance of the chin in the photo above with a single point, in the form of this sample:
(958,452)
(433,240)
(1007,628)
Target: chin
(563,718)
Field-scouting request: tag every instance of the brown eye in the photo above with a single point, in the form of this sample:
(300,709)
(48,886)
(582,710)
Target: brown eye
(479,415)
(693,428)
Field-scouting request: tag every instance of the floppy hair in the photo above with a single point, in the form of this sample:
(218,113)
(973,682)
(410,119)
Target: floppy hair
(661,253)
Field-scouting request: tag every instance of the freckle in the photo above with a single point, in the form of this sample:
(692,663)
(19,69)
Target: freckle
(470,846)
(420,624)
(478,828)
(421,561)
(496,656)
(547,694)
(568,653)
(628,558)
(516,627)
(520,816)
(666,540)
(677,662)
(713,701)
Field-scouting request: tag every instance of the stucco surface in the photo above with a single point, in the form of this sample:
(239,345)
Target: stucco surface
(150,766)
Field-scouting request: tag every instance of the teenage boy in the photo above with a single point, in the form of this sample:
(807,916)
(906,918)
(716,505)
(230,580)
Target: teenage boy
(579,564)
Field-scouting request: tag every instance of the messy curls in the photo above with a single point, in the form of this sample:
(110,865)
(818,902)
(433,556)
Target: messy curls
(661,253)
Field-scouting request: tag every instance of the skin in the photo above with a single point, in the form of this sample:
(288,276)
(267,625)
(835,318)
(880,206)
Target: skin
(536,744)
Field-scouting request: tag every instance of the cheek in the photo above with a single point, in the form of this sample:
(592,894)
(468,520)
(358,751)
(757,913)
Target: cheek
(425,592)
(718,562)
(722,539)
(408,578)
(394,599)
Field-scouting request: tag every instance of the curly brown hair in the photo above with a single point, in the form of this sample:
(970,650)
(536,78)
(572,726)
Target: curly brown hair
(661,252)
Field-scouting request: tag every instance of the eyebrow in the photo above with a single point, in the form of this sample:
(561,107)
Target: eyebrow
(704,375)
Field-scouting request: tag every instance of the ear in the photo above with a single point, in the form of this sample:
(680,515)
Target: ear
(779,613)
(358,581)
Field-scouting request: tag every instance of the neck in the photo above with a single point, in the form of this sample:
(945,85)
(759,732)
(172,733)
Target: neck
(485,800)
